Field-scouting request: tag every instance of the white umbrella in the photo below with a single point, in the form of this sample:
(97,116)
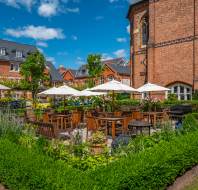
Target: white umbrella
(149,87)
(50,91)
(87,93)
(2,88)
(67,91)
(113,86)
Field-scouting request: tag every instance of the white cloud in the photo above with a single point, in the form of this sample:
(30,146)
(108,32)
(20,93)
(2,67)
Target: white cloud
(120,53)
(48,9)
(73,37)
(53,7)
(72,10)
(36,32)
(19,3)
(121,40)
(80,61)
(51,59)
(41,50)
(42,44)
(106,56)
(128,29)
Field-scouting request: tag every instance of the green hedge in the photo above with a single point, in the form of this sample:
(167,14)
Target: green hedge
(24,169)
(153,168)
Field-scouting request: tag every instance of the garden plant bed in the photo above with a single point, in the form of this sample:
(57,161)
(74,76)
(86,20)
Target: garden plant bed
(150,162)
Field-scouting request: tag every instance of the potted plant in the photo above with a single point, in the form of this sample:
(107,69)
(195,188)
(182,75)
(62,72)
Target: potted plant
(98,142)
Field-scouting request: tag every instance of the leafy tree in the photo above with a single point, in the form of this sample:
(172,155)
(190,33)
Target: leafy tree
(94,66)
(33,71)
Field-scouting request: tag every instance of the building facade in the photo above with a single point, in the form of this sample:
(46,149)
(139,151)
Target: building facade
(12,55)
(164,44)
(117,69)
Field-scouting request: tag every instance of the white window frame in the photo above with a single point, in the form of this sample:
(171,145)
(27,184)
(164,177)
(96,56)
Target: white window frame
(14,67)
(2,51)
(19,54)
(178,93)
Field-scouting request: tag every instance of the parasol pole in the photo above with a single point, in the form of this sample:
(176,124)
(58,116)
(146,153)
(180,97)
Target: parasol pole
(113,97)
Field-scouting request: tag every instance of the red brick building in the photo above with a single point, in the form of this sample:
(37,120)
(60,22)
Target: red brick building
(12,55)
(164,44)
(117,69)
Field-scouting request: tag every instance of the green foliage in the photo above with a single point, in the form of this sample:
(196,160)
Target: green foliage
(26,169)
(33,71)
(172,97)
(94,65)
(9,127)
(97,138)
(129,102)
(190,123)
(153,167)
(149,162)
(151,105)
(195,95)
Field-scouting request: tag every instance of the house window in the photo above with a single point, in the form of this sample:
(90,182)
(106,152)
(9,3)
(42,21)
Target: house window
(14,67)
(182,91)
(101,80)
(19,54)
(2,51)
(110,78)
(145,31)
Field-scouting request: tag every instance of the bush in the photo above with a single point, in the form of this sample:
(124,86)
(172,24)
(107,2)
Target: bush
(22,168)
(153,168)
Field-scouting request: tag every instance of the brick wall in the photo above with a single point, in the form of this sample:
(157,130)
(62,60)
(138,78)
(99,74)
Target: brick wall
(5,71)
(170,51)
(68,76)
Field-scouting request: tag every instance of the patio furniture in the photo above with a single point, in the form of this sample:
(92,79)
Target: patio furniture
(154,117)
(178,111)
(45,129)
(113,121)
(139,126)
(76,118)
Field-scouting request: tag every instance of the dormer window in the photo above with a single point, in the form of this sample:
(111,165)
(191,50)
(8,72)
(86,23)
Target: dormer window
(2,51)
(19,54)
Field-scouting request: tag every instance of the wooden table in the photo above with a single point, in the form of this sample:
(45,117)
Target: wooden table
(59,118)
(139,125)
(153,115)
(113,120)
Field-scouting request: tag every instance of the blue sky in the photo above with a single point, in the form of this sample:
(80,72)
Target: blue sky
(66,31)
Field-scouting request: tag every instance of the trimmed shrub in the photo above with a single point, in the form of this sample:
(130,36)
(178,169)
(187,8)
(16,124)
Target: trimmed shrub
(154,168)
(22,168)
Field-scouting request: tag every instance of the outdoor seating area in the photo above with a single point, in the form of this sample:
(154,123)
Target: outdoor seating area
(112,123)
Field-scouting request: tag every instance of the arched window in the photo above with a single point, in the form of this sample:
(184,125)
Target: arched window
(145,30)
(182,91)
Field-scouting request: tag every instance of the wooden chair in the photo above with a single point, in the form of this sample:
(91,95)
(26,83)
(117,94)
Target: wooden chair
(137,115)
(45,129)
(76,118)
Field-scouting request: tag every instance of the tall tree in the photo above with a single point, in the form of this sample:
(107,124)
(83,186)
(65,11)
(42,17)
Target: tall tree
(94,66)
(33,71)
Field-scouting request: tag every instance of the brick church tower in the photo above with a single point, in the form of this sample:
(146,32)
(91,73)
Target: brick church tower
(164,44)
